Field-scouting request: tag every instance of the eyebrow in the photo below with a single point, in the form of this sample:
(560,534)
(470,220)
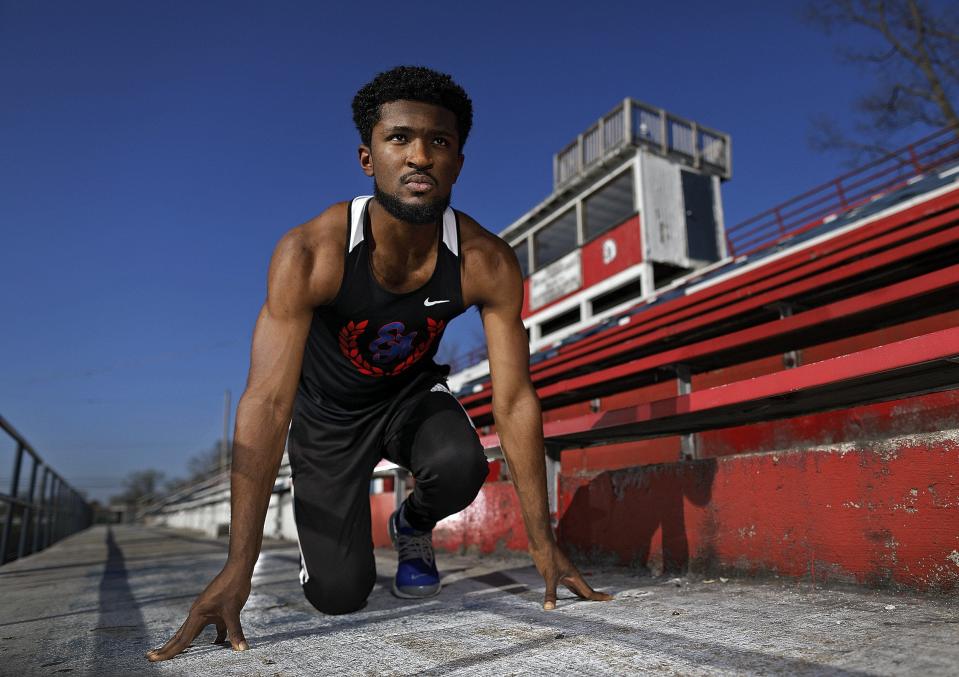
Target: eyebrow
(411,130)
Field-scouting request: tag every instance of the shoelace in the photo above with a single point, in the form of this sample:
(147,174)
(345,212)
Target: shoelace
(416,547)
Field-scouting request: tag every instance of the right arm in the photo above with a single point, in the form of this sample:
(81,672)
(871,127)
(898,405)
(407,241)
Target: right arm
(302,276)
(263,413)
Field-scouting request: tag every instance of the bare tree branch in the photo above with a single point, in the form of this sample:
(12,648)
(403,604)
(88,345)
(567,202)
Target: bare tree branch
(915,60)
(937,90)
(868,57)
(826,136)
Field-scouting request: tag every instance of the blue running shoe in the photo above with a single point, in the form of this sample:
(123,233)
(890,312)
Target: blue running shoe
(416,574)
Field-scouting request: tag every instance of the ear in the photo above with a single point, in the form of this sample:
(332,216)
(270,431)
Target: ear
(366,159)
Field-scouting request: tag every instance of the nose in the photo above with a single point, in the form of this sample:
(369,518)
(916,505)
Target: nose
(419,156)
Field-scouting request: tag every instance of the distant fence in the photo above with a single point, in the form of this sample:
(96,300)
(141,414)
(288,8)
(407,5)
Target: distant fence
(844,193)
(42,511)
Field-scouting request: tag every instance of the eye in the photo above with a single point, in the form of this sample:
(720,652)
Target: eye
(441,141)
(396,137)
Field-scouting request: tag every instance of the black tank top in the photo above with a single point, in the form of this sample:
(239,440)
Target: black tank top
(369,343)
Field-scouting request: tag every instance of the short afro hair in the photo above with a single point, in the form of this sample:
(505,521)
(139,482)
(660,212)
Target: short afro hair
(411,83)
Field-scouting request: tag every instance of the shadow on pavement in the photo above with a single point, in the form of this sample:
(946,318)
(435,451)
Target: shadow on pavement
(120,621)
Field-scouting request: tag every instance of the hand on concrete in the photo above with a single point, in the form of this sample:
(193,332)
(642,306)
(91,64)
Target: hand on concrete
(556,568)
(219,604)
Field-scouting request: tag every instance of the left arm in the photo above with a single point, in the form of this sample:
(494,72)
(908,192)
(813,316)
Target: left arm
(516,411)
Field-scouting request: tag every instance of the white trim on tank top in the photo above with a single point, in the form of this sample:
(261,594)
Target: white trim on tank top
(358,208)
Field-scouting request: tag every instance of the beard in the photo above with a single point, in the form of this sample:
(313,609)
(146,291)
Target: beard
(419,214)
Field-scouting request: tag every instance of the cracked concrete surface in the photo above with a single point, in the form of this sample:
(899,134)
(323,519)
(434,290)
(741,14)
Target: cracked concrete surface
(94,603)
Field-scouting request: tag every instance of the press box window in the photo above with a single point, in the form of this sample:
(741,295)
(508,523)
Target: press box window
(610,205)
(555,240)
(614,297)
(570,317)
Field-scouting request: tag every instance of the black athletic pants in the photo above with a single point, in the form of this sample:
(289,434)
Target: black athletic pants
(332,454)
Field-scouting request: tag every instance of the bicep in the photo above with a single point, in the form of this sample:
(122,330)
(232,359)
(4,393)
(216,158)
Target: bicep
(507,343)
(506,338)
(282,326)
(276,356)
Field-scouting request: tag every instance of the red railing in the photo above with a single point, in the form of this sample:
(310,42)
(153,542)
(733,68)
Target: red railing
(846,192)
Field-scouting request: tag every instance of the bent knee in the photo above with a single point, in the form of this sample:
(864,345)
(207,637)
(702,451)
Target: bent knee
(476,470)
(462,480)
(340,594)
(461,462)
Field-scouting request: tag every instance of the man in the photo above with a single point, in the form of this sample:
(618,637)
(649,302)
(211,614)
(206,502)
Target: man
(357,301)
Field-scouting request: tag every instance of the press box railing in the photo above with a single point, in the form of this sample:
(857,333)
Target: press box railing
(633,123)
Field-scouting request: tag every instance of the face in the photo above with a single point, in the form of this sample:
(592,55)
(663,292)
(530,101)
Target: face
(414,159)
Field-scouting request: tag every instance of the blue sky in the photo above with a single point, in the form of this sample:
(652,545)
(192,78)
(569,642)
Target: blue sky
(152,153)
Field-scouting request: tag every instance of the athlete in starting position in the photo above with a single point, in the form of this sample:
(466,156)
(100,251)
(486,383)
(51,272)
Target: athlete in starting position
(357,301)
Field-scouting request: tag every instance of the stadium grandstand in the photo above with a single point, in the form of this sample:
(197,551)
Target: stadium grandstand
(779,396)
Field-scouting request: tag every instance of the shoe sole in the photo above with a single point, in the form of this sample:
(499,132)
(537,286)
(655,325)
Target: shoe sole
(405,595)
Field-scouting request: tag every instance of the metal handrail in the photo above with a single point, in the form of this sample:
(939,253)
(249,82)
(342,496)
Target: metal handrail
(843,194)
(45,516)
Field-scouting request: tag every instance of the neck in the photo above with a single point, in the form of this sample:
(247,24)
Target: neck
(400,240)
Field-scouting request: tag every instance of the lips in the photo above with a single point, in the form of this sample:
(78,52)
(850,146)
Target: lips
(419,183)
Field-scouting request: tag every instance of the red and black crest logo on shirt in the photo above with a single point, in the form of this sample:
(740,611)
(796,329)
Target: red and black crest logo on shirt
(392,351)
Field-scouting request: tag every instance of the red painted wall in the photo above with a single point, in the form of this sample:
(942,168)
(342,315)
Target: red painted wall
(883,516)
(629,252)
(492,523)
(489,523)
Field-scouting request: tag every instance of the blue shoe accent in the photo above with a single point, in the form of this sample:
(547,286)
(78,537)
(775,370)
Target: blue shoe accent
(416,574)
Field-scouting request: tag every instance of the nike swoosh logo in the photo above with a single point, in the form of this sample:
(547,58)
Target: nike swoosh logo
(427,302)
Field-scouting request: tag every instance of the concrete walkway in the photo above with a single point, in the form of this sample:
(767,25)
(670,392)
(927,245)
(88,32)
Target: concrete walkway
(94,603)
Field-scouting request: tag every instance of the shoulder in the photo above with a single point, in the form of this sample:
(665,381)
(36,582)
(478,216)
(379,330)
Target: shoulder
(490,268)
(482,249)
(307,263)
